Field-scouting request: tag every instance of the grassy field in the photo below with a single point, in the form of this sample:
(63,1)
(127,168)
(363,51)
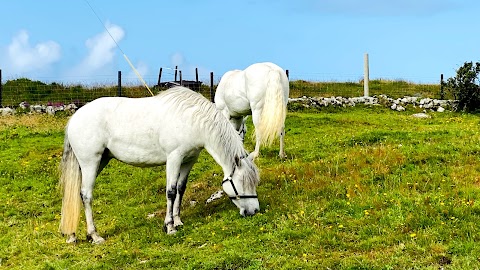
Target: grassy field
(362,188)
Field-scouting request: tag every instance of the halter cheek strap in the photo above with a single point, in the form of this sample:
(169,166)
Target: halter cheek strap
(237,196)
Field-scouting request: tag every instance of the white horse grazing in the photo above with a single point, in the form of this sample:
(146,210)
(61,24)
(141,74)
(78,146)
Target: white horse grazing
(261,90)
(170,128)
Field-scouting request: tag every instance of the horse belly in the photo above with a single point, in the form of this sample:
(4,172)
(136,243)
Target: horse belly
(134,153)
(238,106)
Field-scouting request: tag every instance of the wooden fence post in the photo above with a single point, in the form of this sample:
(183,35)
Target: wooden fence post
(212,94)
(442,91)
(365,76)
(181,80)
(119,89)
(176,68)
(1,88)
(288,74)
(196,75)
(159,77)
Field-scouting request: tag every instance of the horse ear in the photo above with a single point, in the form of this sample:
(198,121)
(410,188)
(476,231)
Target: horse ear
(237,161)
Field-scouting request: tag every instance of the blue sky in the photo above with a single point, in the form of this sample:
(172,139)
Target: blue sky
(322,40)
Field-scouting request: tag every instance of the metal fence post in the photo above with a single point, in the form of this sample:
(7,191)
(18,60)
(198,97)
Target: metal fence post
(119,89)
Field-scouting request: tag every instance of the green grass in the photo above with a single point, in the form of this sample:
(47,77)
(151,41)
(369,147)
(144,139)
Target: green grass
(362,188)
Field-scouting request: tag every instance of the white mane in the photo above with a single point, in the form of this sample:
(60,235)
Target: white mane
(207,116)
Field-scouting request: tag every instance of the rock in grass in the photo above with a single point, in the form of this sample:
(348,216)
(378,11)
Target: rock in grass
(421,115)
(7,111)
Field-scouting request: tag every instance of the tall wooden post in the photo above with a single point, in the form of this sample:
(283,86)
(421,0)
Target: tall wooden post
(176,68)
(196,75)
(365,76)
(212,94)
(288,73)
(159,77)
(1,88)
(442,91)
(181,80)
(119,89)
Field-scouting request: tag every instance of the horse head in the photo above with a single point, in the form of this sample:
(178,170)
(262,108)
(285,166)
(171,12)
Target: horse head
(241,186)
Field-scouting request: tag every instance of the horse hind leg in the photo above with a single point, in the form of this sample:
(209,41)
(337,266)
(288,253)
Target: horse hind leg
(89,173)
(281,153)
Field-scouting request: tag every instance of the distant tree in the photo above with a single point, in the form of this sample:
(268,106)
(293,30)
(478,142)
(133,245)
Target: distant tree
(465,87)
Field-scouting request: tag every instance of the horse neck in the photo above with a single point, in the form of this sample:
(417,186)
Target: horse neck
(224,148)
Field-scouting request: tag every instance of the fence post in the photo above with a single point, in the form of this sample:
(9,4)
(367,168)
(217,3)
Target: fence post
(442,91)
(288,74)
(176,68)
(159,77)
(181,80)
(119,89)
(1,88)
(365,75)
(196,75)
(212,95)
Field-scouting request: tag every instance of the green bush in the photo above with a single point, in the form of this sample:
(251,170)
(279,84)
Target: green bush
(465,87)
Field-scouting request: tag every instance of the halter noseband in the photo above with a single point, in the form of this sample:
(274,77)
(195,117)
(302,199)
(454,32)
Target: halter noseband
(237,196)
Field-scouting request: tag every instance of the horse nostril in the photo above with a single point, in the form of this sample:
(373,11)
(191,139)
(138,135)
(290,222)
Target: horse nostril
(244,212)
(256,211)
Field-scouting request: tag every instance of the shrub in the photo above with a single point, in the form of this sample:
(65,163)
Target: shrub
(465,87)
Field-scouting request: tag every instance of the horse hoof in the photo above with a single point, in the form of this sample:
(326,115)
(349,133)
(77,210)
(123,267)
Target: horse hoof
(95,238)
(98,241)
(177,222)
(169,228)
(71,239)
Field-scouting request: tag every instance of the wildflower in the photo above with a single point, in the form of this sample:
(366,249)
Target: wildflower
(340,226)
(412,235)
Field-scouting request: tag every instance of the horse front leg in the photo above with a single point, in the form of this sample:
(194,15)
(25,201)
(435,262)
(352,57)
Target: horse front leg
(240,126)
(181,187)
(258,135)
(173,174)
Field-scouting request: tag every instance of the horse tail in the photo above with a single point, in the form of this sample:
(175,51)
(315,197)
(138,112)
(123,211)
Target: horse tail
(70,182)
(272,119)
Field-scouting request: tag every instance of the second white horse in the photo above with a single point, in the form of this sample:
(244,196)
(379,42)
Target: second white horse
(261,90)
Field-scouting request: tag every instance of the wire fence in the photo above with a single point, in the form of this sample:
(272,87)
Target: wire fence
(58,91)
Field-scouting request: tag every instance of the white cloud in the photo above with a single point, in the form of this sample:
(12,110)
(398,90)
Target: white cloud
(21,57)
(101,51)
